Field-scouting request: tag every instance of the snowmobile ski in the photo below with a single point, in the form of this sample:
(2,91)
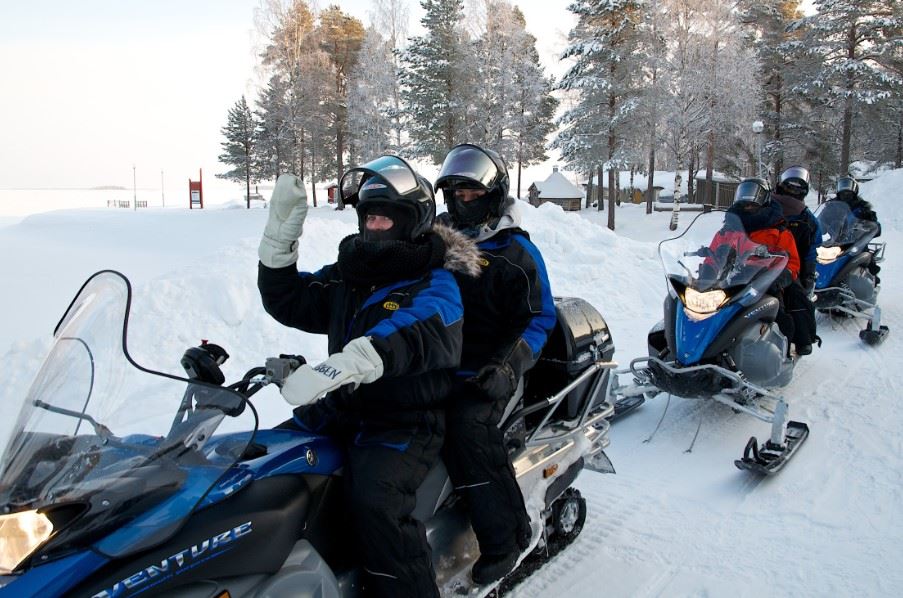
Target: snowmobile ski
(869,336)
(626,405)
(769,459)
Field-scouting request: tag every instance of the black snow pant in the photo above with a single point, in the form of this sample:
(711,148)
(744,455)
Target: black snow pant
(386,463)
(481,471)
(802,311)
(381,482)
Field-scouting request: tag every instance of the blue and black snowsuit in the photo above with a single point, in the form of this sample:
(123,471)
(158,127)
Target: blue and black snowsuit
(508,316)
(409,305)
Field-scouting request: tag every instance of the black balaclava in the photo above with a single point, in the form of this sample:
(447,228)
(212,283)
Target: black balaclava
(401,219)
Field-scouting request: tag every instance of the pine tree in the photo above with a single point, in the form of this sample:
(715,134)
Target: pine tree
(767,22)
(371,97)
(858,44)
(390,17)
(436,79)
(239,149)
(340,36)
(607,49)
(274,133)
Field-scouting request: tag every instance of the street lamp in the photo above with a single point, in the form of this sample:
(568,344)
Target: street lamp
(758,126)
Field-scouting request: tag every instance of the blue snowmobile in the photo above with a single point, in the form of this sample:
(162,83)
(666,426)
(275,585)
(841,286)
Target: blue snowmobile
(846,286)
(719,338)
(121,481)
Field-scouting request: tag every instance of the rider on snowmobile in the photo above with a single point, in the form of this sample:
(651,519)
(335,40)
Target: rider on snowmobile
(392,312)
(509,314)
(763,222)
(791,191)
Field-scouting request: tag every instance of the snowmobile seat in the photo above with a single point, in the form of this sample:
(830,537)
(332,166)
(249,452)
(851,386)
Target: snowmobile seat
(433,491)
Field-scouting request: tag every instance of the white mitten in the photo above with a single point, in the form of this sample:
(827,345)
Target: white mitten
(288,208)
(358,363)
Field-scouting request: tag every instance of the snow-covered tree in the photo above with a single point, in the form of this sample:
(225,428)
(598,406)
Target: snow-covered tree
(436,77)
(607,73)
(238,148)
(512,106)
(857,43)
(371,97)
(767,23)
(274,133)
(390,18)
(340,36)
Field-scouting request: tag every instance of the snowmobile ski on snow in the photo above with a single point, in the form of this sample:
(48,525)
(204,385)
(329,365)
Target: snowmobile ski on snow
(119,480)
(719,338)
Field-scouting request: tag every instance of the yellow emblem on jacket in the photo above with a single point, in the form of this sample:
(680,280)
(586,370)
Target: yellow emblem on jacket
(483,262)
(391,305)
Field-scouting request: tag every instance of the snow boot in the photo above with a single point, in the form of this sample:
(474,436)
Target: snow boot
(492,567)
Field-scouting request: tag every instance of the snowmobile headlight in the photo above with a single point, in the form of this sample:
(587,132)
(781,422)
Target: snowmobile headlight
(20,535)
(699,306)
(826,255)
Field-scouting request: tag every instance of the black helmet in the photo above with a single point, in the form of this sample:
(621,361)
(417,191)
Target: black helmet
(388,186)
(469,166)
(794,182)
(847,188)
(751,194)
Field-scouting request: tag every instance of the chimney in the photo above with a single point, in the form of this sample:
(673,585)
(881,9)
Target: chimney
(554,169)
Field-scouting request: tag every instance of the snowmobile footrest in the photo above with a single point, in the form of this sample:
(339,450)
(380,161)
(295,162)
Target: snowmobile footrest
(768,459)
(626,405)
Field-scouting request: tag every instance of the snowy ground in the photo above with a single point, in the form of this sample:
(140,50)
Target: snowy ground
(669,523)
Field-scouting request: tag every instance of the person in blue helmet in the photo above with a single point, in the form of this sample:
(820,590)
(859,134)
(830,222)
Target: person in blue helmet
(508,316)
(392,313)
(790,193)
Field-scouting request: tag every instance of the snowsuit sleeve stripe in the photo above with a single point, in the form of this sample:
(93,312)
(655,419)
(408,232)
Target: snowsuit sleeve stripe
(541,303)
(440,298)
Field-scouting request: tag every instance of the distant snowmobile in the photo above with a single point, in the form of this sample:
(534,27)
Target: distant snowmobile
(719,339)
(845,286)
(120,481)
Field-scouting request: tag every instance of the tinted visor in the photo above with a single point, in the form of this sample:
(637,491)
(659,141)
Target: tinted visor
(750,191)
(393,171)
(468,165)
(846,184)
(797,175)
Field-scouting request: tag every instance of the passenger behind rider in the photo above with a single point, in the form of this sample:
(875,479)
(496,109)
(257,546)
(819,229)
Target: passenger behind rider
(791,191)
(763,223)
(392,313)
(508,316)
(847,191)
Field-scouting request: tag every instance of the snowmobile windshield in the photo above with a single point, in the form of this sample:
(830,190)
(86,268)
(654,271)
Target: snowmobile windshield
(113,454)
(715,254)
(841,228)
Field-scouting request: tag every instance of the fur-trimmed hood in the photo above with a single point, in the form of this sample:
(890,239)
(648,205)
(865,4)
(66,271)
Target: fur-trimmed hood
(462,254)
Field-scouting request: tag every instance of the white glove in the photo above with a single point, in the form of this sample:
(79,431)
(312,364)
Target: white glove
(358,363)
(288,208)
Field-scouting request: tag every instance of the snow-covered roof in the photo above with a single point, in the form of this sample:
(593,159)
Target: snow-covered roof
(557,187)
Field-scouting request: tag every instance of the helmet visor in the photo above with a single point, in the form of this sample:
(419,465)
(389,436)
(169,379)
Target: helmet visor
(752,192)
(796,174)
(391,169)
(467,164)
(846,184)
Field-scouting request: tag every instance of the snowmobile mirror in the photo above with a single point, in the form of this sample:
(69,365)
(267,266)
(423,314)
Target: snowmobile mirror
(202,363)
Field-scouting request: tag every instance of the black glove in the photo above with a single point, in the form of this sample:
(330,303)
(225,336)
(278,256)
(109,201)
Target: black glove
(495,381)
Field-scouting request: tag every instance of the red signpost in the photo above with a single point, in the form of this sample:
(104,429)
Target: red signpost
(196,192)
